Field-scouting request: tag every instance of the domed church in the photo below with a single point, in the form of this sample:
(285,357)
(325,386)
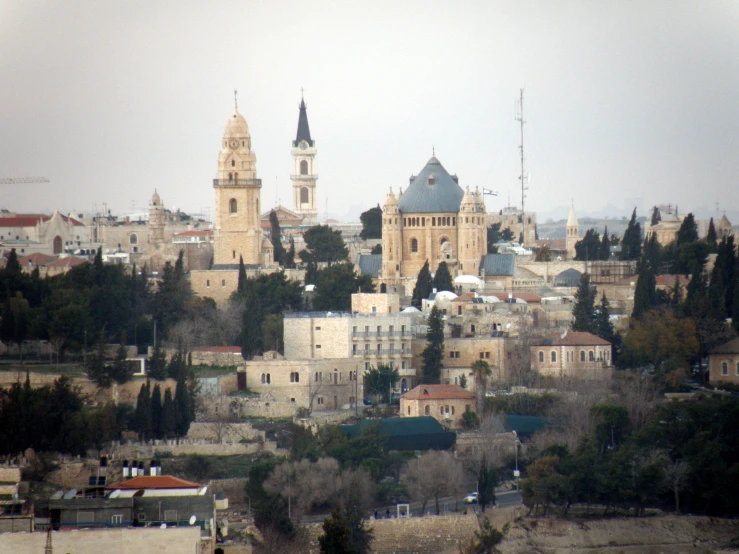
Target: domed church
(434,220)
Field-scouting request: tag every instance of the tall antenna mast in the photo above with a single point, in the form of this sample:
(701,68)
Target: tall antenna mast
(521,120)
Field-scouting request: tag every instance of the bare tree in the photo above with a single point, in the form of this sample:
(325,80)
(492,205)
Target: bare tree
(428,476)
(222,326)
(184,335)
(676,478)
(639,395)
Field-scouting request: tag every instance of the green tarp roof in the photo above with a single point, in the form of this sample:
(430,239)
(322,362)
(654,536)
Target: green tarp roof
(408,433)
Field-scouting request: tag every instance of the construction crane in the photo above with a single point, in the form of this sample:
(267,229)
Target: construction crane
(22,180)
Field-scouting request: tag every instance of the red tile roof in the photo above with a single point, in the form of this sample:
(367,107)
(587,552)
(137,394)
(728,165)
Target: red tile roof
(154,482)
(37,258)
(438,392)
(67,261)
(571,338)
(669,280)
(30,220)
(528,297)
(466,297)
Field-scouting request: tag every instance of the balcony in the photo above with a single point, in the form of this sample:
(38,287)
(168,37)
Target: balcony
(237,182)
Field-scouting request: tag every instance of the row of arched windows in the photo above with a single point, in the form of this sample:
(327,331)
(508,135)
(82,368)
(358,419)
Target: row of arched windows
(590,356)
(266,380)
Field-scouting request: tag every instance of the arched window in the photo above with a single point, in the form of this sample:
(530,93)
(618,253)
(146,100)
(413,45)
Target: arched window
(427,410)
(383,288)
(591,356)
(582,355)
(554,356)
(230,177)
(133,239)
(541,357)
(233,163)
(264,378)
(304,195)
(57,244)
(414,245)
(232,205)
(303,167)
(268,379)
(236,176)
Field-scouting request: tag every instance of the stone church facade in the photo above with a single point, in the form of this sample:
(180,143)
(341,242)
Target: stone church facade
(433,220)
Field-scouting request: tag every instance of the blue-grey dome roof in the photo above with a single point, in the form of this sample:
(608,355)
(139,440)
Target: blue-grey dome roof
(432,190)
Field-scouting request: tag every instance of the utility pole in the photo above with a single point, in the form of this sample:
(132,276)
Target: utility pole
(522,177)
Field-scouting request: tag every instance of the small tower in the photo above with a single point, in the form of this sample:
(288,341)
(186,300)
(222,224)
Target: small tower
(156,220)
(304,175)
(572,233)
(392,238)
(237,230)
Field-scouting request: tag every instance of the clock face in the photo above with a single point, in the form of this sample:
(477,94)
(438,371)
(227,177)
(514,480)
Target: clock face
(233,144)
(303,145)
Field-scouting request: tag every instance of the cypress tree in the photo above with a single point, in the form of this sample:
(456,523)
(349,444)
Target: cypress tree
(603,326)
(290,256)
(169,418)
(12,267)
(645,294)
(655,216)
(156,412)
(142,414)
(688,231)
(242,276)
(183,408)
(433,354)
(157,369)
(423,287)
(604,253)
(631,242)
(276,237)
(443,279)
(584,310)
(711,237)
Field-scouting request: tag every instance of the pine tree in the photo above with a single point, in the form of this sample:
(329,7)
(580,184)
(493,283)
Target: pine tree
(655,216)
(96,368)
(583,311)
(688,231)
(433,354)
(156,412)
(142,414)
(631,242)
(183,407)
(711,237)
(604,253)
(588,248)
(121,369)
(603,326)
(169,418)
(336,537)
(157,364)
(645,295)
(12,267)
(653,251)
(443,279)
(423,287)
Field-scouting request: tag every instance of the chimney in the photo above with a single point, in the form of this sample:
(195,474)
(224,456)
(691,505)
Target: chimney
(153,468)
(433,290)
(126,472)
(134,469)
(142,472)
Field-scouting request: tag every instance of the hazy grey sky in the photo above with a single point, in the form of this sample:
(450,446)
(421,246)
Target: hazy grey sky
(624,100)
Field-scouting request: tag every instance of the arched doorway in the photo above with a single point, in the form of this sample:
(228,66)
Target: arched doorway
(57,245)
(383,288)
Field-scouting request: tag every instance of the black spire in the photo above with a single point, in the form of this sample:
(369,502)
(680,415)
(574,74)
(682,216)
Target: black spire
(303,129)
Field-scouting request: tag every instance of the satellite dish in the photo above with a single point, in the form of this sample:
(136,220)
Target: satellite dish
(115,494)
(70,494)
(57,495)
(193,519)
(163,526)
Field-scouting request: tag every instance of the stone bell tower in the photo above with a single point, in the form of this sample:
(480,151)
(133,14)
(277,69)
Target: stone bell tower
(304,174)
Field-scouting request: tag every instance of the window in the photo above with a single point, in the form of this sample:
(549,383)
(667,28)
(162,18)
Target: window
(116,519)
(304,167)
(170,515)
(452,410)
(427,411)
(142,516)
(223,282)
(541,357)
(354,349)
(304,195)
(318,347)
(292,400)
(207,283)
(737,368)
(233,163)
(591,356)
(133,239)
(409,410)
(554,357)
(487,355)
(233,254)
(414,245)
(441,410)
(724,368)
(57,244)
(264,378)
(582,355)
(295,377)
(318,328)
(319,400)
(232,205)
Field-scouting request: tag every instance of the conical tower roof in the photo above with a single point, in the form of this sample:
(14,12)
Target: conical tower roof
(572,219)
(303,133)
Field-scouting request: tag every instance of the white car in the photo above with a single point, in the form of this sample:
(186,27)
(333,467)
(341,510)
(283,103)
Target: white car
(471,498)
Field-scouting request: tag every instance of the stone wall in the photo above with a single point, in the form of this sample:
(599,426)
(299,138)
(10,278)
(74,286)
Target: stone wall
(183,447)
(120,541)
(367,303)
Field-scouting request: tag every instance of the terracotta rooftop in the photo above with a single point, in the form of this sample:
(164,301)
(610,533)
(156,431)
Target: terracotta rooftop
(29,220)
(67,261)
(527,296)
(37,258)
(154,482)
(669,280)
(572,338)
(438,392)
(731,347)
(207,233)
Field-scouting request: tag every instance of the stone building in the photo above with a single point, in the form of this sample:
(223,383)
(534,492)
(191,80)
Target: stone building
(445,403)
(54,234)
(572,354)
(723,363)
(518,222)
(368,339)
(434,220)
(304,174)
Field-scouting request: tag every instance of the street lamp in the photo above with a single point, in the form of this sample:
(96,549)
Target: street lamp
(516,473)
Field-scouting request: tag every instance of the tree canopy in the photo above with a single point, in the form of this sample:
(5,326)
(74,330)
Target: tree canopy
(371,223)
(323,244)
(443,278)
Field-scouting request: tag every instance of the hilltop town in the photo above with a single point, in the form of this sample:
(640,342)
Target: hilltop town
(432,378)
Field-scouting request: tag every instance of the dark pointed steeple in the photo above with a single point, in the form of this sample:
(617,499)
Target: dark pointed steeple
(303,129)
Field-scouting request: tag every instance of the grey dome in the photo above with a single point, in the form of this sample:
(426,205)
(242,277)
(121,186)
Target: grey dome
(568,278)
(433,190)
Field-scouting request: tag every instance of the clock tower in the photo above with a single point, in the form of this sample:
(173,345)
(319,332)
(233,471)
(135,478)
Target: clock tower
(237,231)
(304,170)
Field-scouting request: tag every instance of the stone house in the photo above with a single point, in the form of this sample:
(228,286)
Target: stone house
(572,354)
(723,363)
(445,403)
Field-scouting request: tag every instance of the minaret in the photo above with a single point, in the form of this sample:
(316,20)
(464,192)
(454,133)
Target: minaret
(572,233)
(156,220)
(304,170)
(237,230)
